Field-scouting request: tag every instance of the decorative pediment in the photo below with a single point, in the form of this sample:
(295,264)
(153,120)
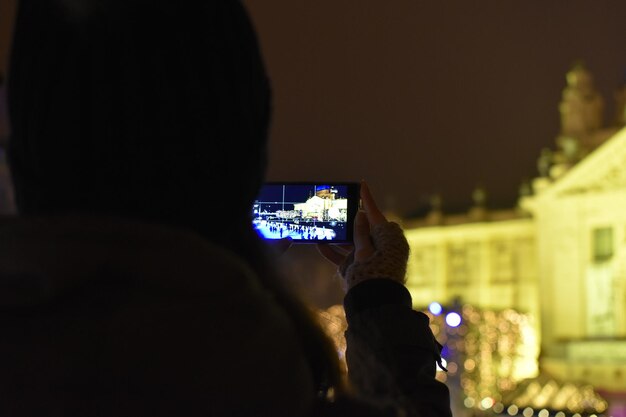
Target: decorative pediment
(603,169)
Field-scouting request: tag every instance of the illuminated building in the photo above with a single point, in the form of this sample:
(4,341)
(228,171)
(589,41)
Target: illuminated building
(580,221)
(559,257)
(323,206)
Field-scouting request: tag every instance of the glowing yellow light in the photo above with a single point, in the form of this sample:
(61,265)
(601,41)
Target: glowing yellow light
(469,402)
(528,412)
(452,368)
(512,410)
(469,365)
(498,408)
(543,413)
(576,415)
(486,403)
(560,414)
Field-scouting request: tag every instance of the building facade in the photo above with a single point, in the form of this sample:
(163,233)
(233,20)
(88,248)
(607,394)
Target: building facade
(559,257)
(580,223)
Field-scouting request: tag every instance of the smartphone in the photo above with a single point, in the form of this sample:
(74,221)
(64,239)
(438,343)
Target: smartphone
(306,212)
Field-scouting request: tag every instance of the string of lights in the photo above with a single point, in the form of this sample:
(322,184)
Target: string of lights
(491,359)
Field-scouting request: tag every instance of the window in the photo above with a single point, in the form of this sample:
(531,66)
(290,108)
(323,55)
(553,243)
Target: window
(462,263)
(602,244)
(425,265)
(502,261)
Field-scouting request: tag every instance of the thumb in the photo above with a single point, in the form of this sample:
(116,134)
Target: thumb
(363,247)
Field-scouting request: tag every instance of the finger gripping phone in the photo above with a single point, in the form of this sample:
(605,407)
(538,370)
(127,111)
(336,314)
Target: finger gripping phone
(306,212)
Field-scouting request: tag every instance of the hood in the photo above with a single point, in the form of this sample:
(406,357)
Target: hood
(156,111)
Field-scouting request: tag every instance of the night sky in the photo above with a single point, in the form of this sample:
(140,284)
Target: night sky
(422,97)
(425,97)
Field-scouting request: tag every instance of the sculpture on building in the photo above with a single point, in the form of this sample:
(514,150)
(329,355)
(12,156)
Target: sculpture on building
(582,127)
(545,162)
(478,212)
(581,110)
(435,215)
(581,106)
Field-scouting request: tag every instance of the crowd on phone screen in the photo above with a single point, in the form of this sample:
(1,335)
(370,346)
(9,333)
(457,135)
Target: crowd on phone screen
(280,230)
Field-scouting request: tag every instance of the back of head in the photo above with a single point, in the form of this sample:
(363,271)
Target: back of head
(136,108)
(154,110)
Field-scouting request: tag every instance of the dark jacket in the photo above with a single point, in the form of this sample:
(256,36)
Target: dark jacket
(104,317)
(391,351)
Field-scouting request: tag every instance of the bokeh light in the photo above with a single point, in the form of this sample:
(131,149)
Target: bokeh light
(486,403)
(469,402)
(453,319)
(435,308)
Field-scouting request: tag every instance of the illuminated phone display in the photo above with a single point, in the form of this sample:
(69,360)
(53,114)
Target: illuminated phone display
(306,212)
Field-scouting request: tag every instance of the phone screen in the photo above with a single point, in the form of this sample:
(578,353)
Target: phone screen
(306,212)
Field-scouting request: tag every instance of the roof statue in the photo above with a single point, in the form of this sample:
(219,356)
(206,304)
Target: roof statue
(581,105)
(544,162)
(435,215)
(478,212)
(581,110)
